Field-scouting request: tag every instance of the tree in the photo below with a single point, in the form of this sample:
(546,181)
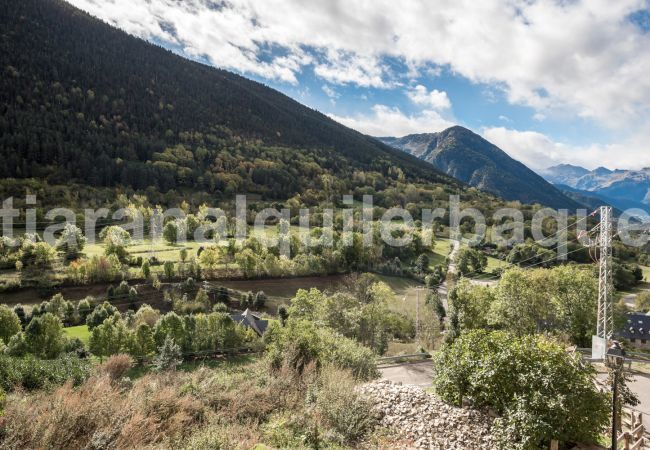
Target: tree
(562,300)
(168,268)
(436,277)
(109,338)
(422,263)
(100,314)
(84,308)
(71,242)
(17,345)
(44,336)
(115,240)
(9,324)
(540,391)
(142,343)
(471,303)
(146,315)
(283,314)
(574,295)
(520,303)
(222,294)
(260,300)
(37,255)
(642,301)
(169,355)
(146,269)
(471,260)
(529,254)
(20,312)
(170,232)
(248,300)
(170,325)
(433,299)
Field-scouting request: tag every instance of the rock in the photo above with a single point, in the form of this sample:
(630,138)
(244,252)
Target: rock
(425,422)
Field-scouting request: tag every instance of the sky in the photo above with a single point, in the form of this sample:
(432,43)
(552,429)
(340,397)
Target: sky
(550,82)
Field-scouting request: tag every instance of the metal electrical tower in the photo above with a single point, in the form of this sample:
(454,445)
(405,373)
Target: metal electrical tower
(604,328)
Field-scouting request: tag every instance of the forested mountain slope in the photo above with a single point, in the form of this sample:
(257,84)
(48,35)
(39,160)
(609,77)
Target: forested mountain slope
(468,157)
(83,102)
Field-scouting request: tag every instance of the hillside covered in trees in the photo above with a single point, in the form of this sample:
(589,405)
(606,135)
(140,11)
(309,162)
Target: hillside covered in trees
(83,102)
(470,158)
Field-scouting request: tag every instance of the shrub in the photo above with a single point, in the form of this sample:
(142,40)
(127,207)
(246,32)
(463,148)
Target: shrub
(71,242)
(345,410)
(3,398)
(169,356)
(9,324)
(146,269)
(168,268)
(541,391)
(32,373)
(301,343)
(116,366)
(100,314)
(260,300)
(44,336)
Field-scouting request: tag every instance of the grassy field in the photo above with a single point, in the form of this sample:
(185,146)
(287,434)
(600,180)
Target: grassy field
(80,332)
(440,252)
(406,294)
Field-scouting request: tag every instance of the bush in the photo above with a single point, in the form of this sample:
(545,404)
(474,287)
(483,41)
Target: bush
(32,373)
(541,391)
(169,356)
(345,410)
(9,324)
(301,343)
(116,366)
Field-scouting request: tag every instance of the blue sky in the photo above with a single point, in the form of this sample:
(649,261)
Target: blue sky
(548,81)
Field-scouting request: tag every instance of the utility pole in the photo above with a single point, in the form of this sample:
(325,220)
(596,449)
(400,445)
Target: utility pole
(417,314)
(604,328)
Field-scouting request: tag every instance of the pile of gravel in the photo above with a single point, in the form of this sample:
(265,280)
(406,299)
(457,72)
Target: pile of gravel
(421,421)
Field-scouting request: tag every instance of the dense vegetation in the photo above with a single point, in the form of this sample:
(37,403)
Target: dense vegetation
(468,157)
(82,101)
(540,391)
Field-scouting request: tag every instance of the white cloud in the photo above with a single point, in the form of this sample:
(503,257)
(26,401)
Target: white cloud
(390,121)
(573,57)
(346,68)
(433,99)
(331,93)
(538,151)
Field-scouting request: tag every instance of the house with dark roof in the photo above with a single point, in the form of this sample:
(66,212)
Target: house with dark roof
(637,330)
(250,320)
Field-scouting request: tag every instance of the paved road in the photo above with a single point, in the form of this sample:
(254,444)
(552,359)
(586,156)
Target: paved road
(421,374)
(417,373)
(630,299)
(640,385)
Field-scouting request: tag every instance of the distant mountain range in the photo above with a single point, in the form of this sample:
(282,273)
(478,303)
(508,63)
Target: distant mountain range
(623,189)
(468,157)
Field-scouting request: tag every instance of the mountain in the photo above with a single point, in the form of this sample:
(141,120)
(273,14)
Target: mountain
(623,189)
(589,199)
(468,157)
(565,174)
(83,102)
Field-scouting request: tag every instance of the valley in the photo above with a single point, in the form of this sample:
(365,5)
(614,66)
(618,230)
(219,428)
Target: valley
(199,256)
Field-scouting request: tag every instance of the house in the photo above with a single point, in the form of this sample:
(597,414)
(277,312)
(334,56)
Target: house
(637,330)
(250,320)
